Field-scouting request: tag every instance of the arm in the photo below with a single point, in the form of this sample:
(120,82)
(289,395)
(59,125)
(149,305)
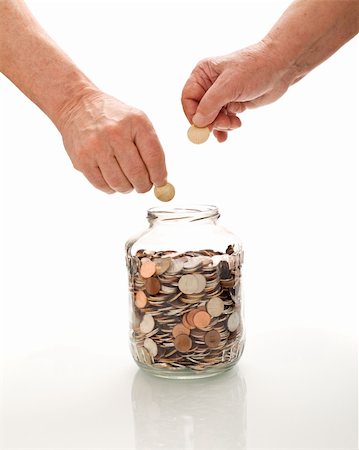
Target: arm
(308,33)
(113,144)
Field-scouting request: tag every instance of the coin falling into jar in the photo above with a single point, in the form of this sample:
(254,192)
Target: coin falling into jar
(165,193)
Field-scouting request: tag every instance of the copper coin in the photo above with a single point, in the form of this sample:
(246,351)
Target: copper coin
(153,285)
(148,268)
(183,343)
(212,338)
(180,329)
(186,323)
(141,299)
(201,319)
(189,317)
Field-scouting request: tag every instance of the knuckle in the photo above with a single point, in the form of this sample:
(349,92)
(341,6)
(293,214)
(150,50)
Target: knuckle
(135,172)
(110,130)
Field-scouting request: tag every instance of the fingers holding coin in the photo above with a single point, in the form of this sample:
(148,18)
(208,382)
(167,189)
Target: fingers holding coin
(224,122)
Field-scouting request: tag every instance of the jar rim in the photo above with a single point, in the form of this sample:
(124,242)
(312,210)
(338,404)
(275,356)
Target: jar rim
(181,212)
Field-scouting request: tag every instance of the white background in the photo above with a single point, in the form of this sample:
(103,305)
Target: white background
(286,183)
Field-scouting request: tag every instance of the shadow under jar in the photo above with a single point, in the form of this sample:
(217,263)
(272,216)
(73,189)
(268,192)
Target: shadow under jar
(186,311)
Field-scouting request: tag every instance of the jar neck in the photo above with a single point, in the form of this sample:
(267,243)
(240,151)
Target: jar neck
(178,215)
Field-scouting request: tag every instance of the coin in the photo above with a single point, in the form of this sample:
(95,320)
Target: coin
(151,346)
(147,324)
(192,263)
(198,135)
(176,266)
(189,317)
(212,338)
(187,284)
(189,329)
(148,268)
(233,321)
(183,343)
(201,319)
(215,306)
(165,193)
(141,299)
(162,265)
(180,329)
(224,269)
(201,282)
(153,285)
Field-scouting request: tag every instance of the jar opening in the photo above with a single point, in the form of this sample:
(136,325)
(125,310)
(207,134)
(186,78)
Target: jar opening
(187,213)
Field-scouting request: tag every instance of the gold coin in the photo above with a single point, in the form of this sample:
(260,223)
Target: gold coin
(153,286)
(141,299)
(198,135)
(180,329)
(212,338)
(183,343)
(201,319)
(215,306)
(148,268)
(165,193)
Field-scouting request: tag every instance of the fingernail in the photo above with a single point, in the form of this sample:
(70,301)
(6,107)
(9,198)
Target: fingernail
(219,128)
(199,120)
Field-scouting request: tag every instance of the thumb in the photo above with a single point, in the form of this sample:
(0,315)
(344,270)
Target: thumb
(211,103)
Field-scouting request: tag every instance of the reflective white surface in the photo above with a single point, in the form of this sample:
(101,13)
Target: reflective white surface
(285,182)
(290,391)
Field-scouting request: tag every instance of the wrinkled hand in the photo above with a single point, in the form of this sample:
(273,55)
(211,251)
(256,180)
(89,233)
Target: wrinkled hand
(112,144)
(221,87)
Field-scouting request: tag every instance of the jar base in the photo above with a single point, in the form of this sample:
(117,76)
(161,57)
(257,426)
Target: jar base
(186,374)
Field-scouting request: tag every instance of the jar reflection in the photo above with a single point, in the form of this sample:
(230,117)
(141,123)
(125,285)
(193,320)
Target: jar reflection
(193,414)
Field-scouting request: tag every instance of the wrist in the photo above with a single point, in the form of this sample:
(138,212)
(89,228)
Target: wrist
(285,65)
(77,93)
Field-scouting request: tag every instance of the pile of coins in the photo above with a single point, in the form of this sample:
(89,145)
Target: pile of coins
(186,308)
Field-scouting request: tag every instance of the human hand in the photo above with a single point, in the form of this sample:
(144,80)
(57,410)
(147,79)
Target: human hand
(221,87)
(114,145)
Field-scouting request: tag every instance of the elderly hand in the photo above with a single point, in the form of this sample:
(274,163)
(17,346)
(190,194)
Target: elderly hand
(112,144)
(221,87)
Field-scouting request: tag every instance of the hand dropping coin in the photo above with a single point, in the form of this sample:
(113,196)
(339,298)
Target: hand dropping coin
(165,193)
(198,135)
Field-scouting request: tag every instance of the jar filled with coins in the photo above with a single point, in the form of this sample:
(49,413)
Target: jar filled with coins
(186,310)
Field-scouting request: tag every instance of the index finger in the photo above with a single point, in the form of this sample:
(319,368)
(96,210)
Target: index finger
(152,154)
(192,94)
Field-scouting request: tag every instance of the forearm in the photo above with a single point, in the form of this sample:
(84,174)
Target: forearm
(36,65)
(309,32)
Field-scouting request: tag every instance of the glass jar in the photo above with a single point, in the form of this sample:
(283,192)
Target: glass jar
(186,311)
